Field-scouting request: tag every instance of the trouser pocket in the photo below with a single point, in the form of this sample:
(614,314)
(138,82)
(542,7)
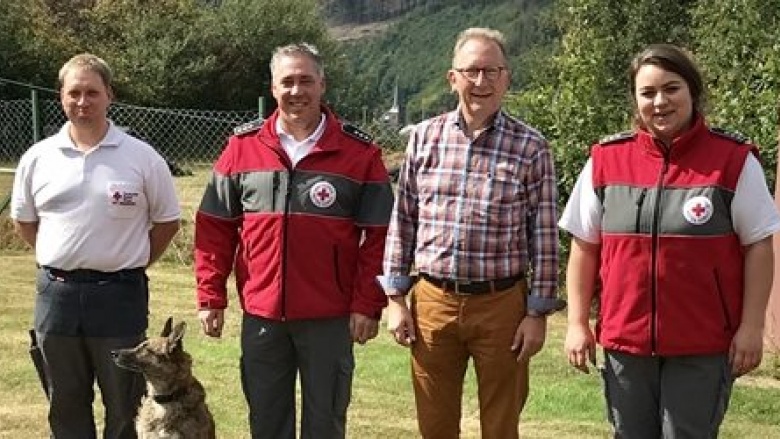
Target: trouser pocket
(57,307)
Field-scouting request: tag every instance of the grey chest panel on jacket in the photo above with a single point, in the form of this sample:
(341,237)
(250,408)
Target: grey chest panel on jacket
(698,211)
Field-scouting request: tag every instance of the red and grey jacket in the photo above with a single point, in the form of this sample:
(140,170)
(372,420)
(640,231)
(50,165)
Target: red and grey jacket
(671,264)
(304,241)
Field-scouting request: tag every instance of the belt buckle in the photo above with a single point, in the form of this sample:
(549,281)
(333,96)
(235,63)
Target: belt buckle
(457,290)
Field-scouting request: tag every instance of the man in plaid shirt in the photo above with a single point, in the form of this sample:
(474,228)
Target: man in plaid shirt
(476,218)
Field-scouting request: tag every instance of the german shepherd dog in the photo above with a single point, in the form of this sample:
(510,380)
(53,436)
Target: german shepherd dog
(174,406)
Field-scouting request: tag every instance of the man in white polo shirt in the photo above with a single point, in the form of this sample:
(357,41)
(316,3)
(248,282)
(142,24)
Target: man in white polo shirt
(98,206)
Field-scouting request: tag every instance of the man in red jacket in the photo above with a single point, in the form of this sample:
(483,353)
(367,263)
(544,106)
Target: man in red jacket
(297,208)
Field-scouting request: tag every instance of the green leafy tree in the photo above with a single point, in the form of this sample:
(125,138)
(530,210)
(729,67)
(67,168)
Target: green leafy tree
(242,34)
(155,48)
(581,94)
(12,14)
(738,47)
(173,53)
(31,44)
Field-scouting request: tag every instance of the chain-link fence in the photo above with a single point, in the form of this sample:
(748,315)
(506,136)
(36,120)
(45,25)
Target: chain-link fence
(183,137)
(192,136)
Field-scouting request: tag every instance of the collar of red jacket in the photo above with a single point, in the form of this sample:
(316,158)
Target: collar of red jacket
(679,145)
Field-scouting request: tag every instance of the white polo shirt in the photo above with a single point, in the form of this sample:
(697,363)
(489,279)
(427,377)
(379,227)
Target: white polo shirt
(297,150)
(94,209)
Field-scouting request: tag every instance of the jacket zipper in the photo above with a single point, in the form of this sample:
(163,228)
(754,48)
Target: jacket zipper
(654,256)
(285,216)
(275,190)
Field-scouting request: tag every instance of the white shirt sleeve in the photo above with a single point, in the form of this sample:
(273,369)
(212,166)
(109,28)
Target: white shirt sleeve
(753,211)
(22,202)
(161,193)
(582,215)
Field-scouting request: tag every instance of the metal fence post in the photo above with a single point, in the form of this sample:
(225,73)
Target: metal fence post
(260,107)
(36,115)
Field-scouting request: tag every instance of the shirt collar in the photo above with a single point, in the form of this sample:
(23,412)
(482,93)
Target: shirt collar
(313,138)
(113,136)
(456,118)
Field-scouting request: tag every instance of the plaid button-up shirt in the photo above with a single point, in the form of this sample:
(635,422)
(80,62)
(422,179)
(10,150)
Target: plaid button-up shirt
(476,209)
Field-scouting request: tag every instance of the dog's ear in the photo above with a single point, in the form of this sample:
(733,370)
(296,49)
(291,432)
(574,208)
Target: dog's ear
(176,336)
(167,327)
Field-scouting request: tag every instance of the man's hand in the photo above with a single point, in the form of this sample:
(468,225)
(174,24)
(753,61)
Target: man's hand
(580,346)
(28,231)
(400,323)
(212,320)
(362,328)
(529,337)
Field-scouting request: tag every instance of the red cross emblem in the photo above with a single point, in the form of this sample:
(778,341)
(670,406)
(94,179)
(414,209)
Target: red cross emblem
(322,194)
(698,210)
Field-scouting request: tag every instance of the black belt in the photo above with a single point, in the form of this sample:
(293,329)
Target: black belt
(473,287)
(83,275)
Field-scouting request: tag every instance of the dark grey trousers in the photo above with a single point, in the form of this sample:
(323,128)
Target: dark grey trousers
(73,364)
(680,397)
(273,353)
(78,324)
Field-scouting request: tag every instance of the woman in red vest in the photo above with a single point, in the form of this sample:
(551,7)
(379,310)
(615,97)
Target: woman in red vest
(672,223)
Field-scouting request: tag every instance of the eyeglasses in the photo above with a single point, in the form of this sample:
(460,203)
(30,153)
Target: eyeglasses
(489,73)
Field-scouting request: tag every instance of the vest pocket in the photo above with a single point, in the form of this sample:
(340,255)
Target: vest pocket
(722,300)
(639,202)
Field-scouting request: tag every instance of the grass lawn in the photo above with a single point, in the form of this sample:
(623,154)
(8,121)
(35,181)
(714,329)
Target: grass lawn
(563,403)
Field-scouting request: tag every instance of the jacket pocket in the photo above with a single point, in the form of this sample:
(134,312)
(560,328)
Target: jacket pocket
(337,270)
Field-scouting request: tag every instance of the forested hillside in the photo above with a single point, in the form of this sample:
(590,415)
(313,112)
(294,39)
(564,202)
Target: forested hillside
(415,52)
(365,11)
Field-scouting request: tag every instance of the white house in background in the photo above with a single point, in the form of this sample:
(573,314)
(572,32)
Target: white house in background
(392,117)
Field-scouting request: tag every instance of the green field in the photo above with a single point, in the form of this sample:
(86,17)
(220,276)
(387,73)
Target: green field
(563,403)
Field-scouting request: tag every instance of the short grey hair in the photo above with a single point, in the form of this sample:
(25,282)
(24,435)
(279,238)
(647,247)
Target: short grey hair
(480,33)
(298,49)
(87,61)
